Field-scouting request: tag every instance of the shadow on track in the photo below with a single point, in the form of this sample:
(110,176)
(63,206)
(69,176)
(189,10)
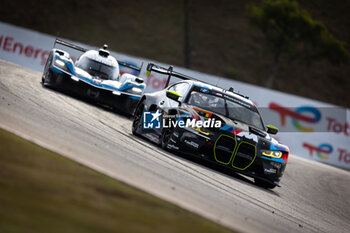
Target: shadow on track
(212,167)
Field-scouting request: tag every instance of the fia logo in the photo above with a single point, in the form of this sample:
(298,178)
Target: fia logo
(151,120)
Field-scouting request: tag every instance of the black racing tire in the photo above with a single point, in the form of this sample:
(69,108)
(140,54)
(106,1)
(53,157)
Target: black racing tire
(264,184)
(136,123)
(48,79)
(165,137)
(47,74)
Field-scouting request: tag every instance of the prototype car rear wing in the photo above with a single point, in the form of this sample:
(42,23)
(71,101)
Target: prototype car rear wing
(68,44)
(170,72)
(73,46)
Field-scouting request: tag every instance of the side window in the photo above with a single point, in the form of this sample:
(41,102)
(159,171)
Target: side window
(180,88)
(77,61)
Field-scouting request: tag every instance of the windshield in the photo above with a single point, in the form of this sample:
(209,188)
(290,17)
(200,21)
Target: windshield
(95,68)
(230,107)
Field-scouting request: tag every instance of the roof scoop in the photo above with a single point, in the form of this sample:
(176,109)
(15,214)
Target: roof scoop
(103,51)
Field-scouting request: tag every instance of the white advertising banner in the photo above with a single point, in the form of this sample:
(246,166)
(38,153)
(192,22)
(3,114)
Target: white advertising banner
(312,129)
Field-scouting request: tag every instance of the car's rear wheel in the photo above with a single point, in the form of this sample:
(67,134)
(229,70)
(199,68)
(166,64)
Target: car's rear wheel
(136,123)
(264,184)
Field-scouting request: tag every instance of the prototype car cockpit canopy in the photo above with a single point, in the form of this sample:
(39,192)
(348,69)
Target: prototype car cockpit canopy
(99,64)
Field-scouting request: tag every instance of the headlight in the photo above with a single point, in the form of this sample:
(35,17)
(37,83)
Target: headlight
(135,90)
(203,130)
(74,78)
(60,63)
(272,153)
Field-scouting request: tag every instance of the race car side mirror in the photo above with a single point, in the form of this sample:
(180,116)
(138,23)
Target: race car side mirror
(174,96)
(149,69)
(272,129)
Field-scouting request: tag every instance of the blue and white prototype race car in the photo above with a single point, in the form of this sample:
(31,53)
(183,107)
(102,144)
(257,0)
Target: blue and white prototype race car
(94,75)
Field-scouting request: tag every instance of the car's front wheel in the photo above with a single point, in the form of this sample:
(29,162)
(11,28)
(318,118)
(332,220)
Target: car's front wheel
(47,74)
(165,138)
(46,79)
(136,123)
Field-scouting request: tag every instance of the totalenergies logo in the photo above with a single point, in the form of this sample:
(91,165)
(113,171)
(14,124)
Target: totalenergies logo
(322,151)
(301,114)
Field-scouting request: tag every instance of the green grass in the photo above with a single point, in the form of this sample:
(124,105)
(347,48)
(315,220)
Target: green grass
(41,191)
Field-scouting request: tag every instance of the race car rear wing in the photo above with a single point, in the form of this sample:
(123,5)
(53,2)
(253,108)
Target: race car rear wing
(170,72)
(68,44)
(73,46)
(152,67)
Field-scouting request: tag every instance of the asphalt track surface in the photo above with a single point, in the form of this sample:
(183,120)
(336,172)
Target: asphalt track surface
(313,197)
